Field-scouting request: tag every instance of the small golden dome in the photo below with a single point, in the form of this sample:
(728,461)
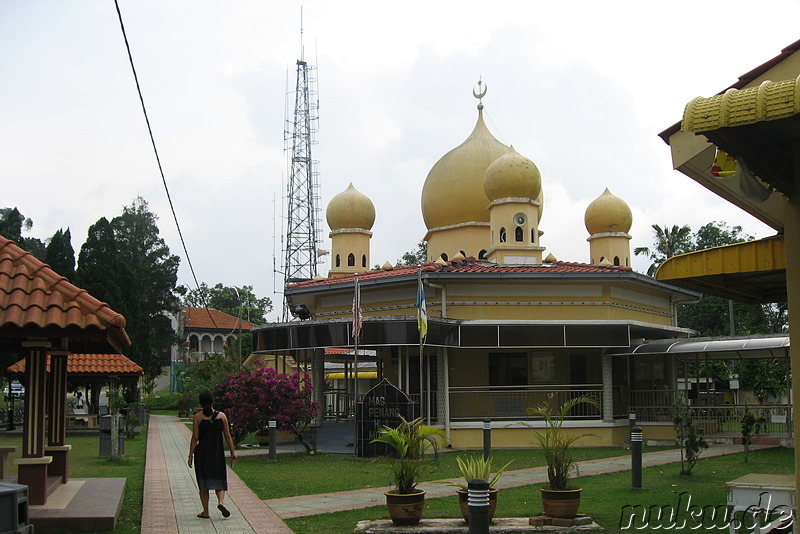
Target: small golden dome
(387,266)
(453,191)
(608,213)
(512,175)
(350,209)
(550,258)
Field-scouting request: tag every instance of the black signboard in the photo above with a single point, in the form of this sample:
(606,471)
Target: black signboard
(381,407)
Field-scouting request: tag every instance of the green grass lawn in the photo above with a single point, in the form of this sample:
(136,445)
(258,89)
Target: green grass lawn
(300,474)
(604,496)
(85,463)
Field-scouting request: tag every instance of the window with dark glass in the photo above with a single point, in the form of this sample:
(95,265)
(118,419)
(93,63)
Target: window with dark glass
(351,260)
(508,369)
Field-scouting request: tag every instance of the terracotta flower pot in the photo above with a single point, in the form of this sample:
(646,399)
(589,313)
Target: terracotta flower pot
(561,503)
(405,508)
(463,503)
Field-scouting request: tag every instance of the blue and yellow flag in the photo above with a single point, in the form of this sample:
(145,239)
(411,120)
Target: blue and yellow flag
(422,312)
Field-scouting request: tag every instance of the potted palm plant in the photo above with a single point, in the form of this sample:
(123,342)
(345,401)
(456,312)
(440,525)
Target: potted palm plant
(559,500)
(472,467)
(411,441)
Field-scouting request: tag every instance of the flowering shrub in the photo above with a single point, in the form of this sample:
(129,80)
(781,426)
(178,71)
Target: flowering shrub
(252,398)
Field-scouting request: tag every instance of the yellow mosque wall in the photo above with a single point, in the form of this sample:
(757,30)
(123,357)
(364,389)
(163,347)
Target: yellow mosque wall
(471,238)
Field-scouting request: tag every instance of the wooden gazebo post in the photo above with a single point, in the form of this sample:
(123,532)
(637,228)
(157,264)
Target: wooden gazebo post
(57,446)
(33,465)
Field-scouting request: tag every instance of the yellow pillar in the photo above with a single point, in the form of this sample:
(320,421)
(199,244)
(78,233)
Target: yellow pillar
(792,237)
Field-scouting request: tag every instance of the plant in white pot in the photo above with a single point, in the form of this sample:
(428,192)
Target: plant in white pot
(415,448)
(472,467)
(559,500)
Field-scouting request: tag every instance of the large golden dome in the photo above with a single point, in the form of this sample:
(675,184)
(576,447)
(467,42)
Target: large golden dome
(608,213)
(453,191)
(512,175)
(350,209)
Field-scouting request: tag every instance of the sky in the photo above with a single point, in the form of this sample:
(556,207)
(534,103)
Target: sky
(582,88)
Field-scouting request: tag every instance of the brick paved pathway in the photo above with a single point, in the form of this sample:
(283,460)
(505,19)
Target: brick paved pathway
(171,501)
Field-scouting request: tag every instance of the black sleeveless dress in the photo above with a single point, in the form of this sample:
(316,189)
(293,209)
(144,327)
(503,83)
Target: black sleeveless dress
(209,456)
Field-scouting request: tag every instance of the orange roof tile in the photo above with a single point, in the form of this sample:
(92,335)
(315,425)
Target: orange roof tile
(210,319)
(35,301)
(470,265)
(91,365)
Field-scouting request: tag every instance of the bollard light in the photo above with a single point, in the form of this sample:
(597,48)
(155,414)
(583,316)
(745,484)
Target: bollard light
(636,457)
(272,425)
(478,504)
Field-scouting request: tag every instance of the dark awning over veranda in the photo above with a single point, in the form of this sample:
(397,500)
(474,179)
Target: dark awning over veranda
(402,330)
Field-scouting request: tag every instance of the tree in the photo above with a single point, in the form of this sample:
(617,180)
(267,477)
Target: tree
(668,242)
(231,300)
(129,266)
(100,271)
(251,399)
(418,256)
(12,225)
(60,255)
(690,437)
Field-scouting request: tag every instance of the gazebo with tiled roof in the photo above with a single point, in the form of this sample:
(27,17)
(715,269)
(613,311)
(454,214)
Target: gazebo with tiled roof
(42,314)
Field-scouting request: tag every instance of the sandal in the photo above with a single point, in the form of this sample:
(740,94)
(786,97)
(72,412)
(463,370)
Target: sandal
(201,516)
(223,510)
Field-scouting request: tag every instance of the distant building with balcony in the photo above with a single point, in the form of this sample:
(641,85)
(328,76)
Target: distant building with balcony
(206,331)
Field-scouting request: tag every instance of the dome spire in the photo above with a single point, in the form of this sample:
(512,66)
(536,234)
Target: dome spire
(480,93)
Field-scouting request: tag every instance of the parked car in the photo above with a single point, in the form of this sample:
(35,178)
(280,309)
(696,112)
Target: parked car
(15,390)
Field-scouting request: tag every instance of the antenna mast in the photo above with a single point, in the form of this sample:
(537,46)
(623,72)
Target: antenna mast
(303,220)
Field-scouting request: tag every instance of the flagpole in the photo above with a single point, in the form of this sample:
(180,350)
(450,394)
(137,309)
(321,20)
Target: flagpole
(356,335)
(420,308)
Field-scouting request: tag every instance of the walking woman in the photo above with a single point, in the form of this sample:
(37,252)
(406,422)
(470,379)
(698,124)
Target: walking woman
(208,452)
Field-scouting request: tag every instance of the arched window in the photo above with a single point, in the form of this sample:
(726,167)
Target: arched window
(616,260)
(533,235)
(518,234)
(338,261)
(364,260)
(351,260)
(601,260)
(444,256)
(502,235)
(482,254)
(627,262)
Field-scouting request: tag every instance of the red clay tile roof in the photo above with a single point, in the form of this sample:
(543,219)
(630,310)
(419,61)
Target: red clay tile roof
(210,319)
(37,302)
(91,365)
(470,266)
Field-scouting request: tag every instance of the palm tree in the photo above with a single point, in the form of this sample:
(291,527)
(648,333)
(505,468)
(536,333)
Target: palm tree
(668,242)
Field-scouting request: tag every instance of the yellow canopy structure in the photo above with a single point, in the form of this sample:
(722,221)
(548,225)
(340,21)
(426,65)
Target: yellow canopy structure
(754,271)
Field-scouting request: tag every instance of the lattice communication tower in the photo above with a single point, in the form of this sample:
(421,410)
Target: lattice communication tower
(303,220)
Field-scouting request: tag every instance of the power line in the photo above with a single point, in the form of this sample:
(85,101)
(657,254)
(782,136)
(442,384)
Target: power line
(153,142)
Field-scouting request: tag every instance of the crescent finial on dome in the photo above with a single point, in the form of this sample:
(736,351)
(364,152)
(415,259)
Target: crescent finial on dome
(481,92)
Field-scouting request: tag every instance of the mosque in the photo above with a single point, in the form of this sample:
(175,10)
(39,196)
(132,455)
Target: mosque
(508,323)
